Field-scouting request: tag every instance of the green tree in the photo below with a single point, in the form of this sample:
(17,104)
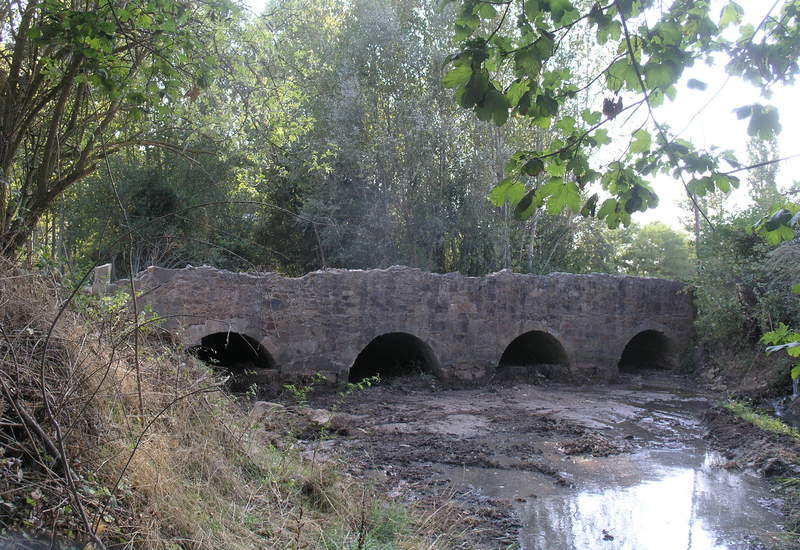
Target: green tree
(762,180)
(657,250)
(78,81)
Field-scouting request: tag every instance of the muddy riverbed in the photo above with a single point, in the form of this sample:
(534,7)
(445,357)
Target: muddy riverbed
(553,467)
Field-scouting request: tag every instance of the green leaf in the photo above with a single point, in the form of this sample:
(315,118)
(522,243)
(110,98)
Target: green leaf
(669,33)
(608,30)
(563,12)
(474,90)
(35,33)
(525,207)
(517,90)
(764,122)
(591,117)
(658,75)
(796,288)
(601,137)
(526,62)
(722,182)
(620,74)
(608,207)
(731,13)
(544,45)
(590,206)
(457,77)
(487,11)
(507,190)
(560,195)
(743,112)
(641,142)
(795,373)
(532,9)
(695,84)
(493,106)
(566,124)
(533,167)
(548,105)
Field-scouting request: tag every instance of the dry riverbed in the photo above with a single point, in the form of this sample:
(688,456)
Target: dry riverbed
(556,466)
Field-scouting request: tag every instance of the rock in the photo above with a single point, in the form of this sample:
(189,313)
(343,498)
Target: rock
(774,467)
(319,417)
(262,408)
(344,424)
(793,408)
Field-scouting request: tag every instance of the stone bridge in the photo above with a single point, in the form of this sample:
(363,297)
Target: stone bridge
(350,324)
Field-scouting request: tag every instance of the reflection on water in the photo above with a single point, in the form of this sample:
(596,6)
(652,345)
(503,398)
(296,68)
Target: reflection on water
(693,508)
(657,499)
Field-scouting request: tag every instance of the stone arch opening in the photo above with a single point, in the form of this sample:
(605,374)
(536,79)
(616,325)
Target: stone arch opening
(650,349)
(394,354)
(236,354)
(532,357)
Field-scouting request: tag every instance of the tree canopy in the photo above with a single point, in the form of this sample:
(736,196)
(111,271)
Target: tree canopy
(505,68)
(78,81)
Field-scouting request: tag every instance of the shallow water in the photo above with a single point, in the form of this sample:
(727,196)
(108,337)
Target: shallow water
(670,493)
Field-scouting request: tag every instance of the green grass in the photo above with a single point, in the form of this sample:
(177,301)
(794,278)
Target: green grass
(764,421)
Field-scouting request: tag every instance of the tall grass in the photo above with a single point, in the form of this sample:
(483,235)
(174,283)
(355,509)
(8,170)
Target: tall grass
(138,446)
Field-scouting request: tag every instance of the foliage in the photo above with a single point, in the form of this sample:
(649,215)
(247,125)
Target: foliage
(367,164)
(764,421)
(80,81)
(300,392)
(784,225)
(736,288)
(505,69)
(657,250)
(783,338)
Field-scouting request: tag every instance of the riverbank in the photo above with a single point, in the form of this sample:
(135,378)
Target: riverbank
(516,460)
(775,456)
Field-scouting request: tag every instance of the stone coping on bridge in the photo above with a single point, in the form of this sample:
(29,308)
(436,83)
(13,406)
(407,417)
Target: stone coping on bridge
(463,328)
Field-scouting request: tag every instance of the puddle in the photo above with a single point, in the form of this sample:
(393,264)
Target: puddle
(670,494)
(697,508)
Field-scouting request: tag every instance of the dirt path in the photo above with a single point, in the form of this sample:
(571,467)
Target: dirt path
(427,444)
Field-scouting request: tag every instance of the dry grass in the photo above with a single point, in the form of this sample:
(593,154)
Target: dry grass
(159,456)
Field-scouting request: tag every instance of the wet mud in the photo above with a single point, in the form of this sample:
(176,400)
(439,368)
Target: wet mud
(622,466)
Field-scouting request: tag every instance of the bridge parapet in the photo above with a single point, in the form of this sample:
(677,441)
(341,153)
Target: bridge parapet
(579,326)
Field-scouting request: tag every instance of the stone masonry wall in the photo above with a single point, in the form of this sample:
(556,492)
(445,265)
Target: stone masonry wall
(321,322)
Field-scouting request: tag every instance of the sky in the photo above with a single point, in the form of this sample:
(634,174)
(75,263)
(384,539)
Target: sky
(717,124)
(710,121)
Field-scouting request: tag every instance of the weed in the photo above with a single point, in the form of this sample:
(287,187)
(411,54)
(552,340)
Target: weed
(766,422)
(300,392)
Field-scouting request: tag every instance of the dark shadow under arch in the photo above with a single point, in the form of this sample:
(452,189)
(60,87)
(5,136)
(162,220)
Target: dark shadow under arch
(533,356)
(650,349)
(237,354)
(391,355)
